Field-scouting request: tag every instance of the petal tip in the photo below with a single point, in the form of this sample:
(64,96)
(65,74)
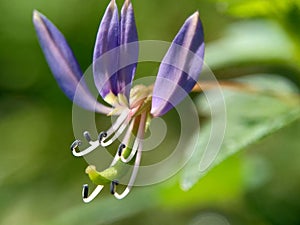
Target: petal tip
(160,107)
(154,114)
(112,5)
(180,68)
(196,14)
(127,3)
(36,15)
(35,12)
(195,17)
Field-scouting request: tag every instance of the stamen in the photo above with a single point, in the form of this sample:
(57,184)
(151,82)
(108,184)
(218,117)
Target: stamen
(136,142)
(92,147)
(128,133)
(118,122)
(133,175)
(117,128)
(120,149)
(85,191)
(87,136)
(118,154)
(116,135)
(137,159)
(75,144)
(122,146)
(113,185)
(101,136)
(132,153)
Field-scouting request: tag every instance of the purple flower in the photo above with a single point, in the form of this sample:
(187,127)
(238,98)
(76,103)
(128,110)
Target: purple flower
(114,64)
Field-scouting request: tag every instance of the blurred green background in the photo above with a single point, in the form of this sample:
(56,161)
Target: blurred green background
(40,181)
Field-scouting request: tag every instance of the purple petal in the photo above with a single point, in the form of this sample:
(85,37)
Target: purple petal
(180,68)
(128,53)
(63,64)
(105,66)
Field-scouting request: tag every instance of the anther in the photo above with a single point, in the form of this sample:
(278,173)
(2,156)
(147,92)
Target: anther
(87,136)
(120,149)
(102,135)
(113,185)
(75,144)
(85,191)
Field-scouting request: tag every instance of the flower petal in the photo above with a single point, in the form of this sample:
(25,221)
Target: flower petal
(180,68)
(105,66)
(63,64)
(128,52)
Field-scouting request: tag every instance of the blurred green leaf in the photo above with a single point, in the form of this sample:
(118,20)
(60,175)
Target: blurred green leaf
(252,8)
(285,13)
(227,175)
(250,42)
(19,143)
(278,198)
(108,210)
(270,104)
(255,8)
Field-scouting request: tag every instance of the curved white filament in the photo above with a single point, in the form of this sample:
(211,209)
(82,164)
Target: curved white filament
(94,194)
(117,123)
(132,153)
(95,144)
(133,175)
(116,135)
(128,133)
(137,141)
(92,147)
(125,140)
(137,160)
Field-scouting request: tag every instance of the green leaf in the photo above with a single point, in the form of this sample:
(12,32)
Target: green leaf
(108,210)
(250,42)
(285,13)
(266,8)
(254,8)
(267,104)
(207,191)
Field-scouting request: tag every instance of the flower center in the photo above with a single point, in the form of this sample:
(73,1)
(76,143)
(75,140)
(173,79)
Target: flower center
(132,121)
(130,113)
